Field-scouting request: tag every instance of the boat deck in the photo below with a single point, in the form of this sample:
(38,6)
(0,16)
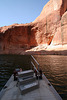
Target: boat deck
(44,92)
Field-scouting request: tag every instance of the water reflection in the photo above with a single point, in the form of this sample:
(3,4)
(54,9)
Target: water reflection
(8,63)
(55,69)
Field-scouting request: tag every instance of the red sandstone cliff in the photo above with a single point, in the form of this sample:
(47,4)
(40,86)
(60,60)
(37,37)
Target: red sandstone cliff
(49,29)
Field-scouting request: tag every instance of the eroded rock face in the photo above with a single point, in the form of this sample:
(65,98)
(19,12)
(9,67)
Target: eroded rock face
(18,36)
(50,28)
(52,17)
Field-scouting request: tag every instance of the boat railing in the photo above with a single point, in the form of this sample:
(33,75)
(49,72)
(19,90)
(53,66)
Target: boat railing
(35,66)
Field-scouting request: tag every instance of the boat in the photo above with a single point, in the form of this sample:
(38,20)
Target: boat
(30,85)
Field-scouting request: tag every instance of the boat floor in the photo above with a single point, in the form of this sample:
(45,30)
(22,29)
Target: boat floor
(44,92)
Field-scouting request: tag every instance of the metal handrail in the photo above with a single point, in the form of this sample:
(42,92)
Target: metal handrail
(34,66)
(37,69)
(35,60)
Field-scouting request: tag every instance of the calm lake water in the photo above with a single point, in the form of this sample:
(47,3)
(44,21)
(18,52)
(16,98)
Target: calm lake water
(53,66)
(55,69)
(8,63)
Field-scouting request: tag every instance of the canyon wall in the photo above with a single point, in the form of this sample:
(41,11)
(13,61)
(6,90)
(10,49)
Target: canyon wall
(17,37)
(53,18)
(50,28)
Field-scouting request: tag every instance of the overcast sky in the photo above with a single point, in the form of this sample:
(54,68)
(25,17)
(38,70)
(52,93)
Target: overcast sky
(20,11)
